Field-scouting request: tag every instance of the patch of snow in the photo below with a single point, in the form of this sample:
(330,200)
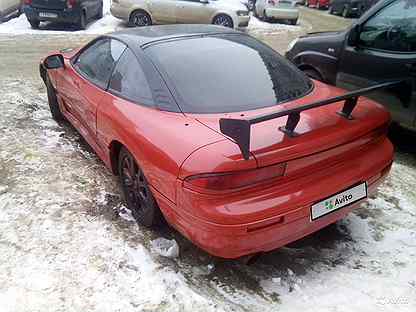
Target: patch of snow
(126,214)
(256,25)
(165,247)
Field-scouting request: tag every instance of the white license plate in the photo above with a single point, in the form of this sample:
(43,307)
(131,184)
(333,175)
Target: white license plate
(339,200)
(46,14)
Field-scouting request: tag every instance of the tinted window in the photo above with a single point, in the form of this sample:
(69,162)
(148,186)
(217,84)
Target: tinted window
(227,73)
(393,29)
(129,81)
(97,61)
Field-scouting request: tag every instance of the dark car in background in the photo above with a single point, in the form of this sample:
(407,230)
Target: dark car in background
(379,47)
(77,12)
(350,8)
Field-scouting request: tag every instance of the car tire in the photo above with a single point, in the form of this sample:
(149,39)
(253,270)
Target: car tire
(53,101)
(100,11)
(34,24)
(139,19)
(136,191)
(331,10)
(294,21)
(265,18)
(251,5)
(346,12)
(82,24)
(223,20)
(314,74)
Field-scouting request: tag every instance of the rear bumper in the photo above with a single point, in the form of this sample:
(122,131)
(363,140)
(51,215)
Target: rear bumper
(63,16)
(291,204)
(243,20)
(282,13)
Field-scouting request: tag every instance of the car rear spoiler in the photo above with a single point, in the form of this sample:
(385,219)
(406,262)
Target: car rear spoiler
(239,129)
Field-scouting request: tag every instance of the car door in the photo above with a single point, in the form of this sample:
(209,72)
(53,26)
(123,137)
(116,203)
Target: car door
(386,51)
(163,11)
(9,6)
(85,83)
(194,12)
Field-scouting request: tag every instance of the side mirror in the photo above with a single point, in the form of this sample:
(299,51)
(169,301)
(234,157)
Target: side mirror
(54,61)
(354,35)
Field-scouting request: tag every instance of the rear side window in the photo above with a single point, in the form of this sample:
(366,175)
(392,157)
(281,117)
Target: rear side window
(129,81)
(227,73)
(97,61)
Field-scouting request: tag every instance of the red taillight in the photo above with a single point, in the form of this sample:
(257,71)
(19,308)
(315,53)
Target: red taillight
(227,181)
(28,2)
(71,3)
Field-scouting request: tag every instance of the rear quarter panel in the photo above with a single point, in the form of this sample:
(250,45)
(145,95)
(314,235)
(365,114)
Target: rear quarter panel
(159,141)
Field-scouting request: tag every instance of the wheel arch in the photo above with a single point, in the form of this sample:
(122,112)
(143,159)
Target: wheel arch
(304,67)
(140,9)
(326,65)
(114,150)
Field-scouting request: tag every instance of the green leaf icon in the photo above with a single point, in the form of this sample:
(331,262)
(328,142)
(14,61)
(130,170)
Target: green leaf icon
(329,205)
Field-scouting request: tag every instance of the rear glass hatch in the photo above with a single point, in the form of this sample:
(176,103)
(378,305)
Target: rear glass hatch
(236,76)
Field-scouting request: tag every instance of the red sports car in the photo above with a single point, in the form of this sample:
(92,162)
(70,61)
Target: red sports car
(220,135)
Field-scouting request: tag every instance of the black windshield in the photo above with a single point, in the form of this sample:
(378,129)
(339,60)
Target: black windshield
(227,73)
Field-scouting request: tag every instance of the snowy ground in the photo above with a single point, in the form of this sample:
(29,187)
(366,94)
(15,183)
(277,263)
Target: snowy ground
(68,244)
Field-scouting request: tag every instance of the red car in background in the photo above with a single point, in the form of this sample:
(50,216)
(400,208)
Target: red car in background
(319,4)
(239,166)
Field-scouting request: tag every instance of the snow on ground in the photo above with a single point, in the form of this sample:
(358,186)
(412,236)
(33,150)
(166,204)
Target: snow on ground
(68,244)
(20,26)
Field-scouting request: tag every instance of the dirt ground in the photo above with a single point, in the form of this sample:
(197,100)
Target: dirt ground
(67,243)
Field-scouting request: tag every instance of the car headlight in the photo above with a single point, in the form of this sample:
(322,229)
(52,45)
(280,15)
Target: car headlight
(242,13)
(292,44)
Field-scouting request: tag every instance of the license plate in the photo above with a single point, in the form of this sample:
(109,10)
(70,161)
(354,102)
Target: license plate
(339,200)
(46,14)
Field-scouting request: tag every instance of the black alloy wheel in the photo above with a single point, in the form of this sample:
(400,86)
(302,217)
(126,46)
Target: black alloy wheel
(137,192)
(223,20)
(139,19)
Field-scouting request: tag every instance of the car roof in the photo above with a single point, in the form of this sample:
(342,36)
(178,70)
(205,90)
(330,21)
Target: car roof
(142,36)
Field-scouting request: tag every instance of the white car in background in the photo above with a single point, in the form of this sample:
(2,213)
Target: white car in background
(7,7)
(277,10)
(228,13)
